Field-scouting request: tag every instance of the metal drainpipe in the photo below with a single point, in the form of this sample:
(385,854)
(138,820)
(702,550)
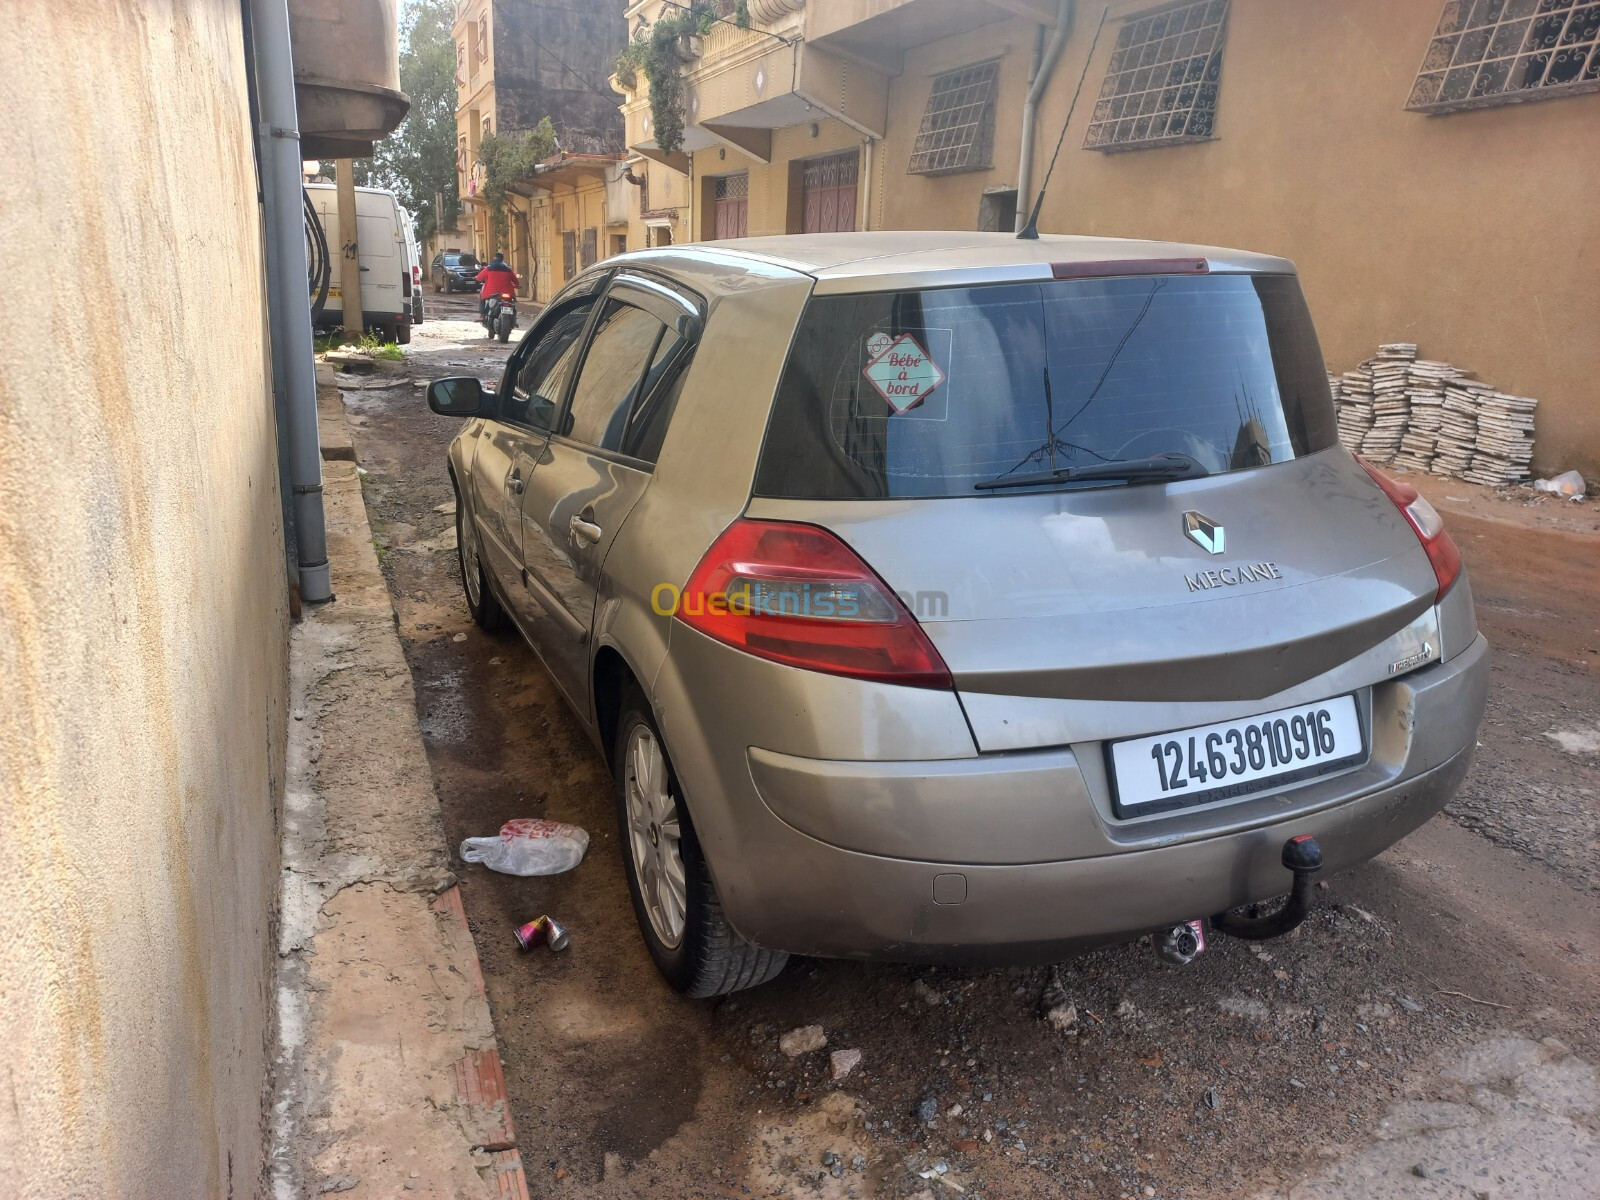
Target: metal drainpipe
(289,307)
(866,182)
(1044,66)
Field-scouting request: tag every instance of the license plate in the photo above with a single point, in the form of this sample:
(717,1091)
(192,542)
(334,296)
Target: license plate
(1234,758)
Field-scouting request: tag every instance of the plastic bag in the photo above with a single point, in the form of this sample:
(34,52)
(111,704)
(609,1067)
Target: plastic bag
(529,846)
(1568,483)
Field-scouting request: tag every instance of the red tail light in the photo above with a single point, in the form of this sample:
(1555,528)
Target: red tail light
(1426,522)
(506,296)
(796,594)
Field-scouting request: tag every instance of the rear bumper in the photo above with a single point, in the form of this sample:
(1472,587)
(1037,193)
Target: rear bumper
(928,860)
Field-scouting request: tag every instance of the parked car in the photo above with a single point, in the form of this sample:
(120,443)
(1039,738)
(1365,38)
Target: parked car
(386,275)
(955,598)
(408,224)
(455,271)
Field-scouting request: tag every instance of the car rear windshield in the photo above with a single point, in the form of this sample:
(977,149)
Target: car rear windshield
(931,392)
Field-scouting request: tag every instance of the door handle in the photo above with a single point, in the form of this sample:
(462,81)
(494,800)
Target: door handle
(514,485)
(586,531)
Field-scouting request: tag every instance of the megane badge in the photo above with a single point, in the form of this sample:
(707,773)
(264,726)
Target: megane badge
(1203,532)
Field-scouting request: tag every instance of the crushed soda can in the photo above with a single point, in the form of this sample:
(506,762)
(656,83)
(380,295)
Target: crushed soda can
(543,931)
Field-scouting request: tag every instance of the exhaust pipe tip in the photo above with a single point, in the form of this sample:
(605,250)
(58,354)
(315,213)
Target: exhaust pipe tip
(1180,945)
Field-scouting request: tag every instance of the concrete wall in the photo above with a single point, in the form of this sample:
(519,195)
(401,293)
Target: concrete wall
(551,59)
(142,586)
(1475,235)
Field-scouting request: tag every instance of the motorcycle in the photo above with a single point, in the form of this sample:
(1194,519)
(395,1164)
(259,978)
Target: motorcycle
(500,316)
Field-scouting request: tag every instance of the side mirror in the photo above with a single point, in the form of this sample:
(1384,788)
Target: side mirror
(458,396)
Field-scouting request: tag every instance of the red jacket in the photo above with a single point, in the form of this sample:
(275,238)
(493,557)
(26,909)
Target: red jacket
(496,280)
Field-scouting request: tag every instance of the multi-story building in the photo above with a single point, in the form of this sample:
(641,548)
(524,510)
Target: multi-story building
(517,62)
(1388,148)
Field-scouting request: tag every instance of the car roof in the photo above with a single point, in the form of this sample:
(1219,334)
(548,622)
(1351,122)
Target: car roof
(843,262)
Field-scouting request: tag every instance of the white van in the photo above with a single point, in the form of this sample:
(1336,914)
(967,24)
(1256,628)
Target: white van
(385,266)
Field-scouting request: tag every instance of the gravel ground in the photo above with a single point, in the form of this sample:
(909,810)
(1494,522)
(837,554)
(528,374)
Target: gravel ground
(1254,1070)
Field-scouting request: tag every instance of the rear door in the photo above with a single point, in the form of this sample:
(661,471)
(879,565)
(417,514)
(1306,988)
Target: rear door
(1281,564)
(597,464)
(383,253)
(532,391)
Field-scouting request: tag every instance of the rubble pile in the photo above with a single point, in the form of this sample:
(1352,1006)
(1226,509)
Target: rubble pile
(1423,415)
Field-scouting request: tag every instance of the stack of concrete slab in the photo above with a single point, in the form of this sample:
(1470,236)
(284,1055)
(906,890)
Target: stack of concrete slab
(1505,439)
(1458,427)
(1424,415)
(1425,392)
(1390,407)
(1355,406)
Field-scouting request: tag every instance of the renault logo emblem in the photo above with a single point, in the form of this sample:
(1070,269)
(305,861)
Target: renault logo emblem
(1204,532)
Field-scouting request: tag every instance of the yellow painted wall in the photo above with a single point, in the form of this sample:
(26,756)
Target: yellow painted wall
(771,208)
(576,206)
(143,591)
(1476,235)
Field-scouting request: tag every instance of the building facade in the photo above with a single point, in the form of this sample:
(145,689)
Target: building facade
(1392,150)
(518,62)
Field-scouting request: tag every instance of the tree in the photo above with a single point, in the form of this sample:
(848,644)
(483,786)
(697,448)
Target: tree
(418,160)
(509,158)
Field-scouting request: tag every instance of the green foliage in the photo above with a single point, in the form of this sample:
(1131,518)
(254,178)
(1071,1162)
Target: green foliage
(653,52)
(369,344)
(507,158)
(418,160)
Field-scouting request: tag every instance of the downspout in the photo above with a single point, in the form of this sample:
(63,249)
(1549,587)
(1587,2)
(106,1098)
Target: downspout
(1044,65)
(866,182)
(289,302)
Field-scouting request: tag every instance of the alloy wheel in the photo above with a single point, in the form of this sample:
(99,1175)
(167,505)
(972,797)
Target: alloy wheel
(654,834)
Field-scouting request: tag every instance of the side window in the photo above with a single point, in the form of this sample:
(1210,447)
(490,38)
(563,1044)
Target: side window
(624,344)
(542,378)
(647,424)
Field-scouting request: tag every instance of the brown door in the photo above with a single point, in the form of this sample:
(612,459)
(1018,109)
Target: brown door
(828,190)
(733,205)
(591,242)
(569,254)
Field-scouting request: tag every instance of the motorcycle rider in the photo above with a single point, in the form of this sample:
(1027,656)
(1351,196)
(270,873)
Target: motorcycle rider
(496,277)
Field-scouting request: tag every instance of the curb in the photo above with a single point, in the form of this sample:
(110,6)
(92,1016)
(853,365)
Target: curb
(387,1074)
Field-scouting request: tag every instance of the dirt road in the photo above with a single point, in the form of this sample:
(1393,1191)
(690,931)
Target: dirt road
(1357,1055)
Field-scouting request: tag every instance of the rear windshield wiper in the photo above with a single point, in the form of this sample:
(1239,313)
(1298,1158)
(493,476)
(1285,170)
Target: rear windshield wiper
(1128,470)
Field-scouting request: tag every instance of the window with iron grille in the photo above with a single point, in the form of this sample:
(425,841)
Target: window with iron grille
(1488,52)
(957,132)
(731,187)
(1161,83)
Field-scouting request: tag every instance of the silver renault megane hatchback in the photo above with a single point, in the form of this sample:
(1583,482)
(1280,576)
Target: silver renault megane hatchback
(955,598)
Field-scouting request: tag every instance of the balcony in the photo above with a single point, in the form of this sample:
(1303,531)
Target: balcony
(802,62)
(877,33)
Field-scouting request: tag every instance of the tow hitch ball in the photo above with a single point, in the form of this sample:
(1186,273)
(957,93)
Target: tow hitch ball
(1302,857)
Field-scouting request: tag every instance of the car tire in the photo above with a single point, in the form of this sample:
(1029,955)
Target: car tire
(485,606)
(402,333)
(696,950)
